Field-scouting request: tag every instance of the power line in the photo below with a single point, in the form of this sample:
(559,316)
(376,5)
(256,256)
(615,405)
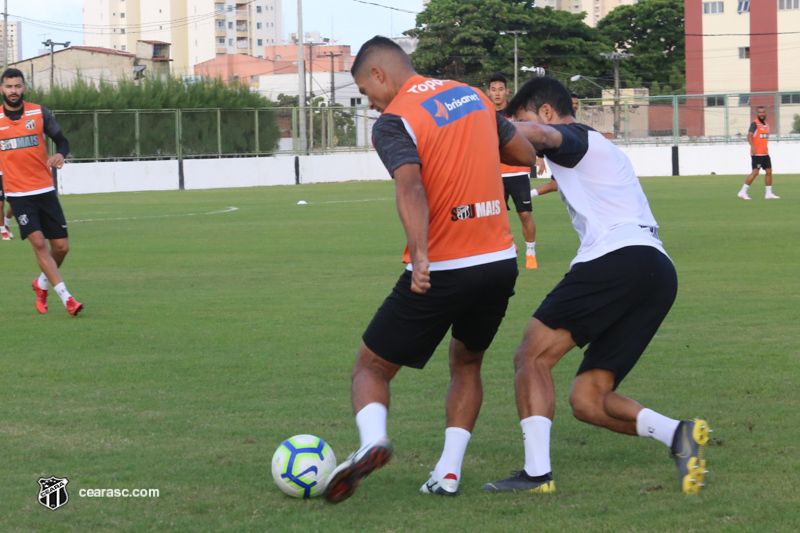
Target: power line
(387,7)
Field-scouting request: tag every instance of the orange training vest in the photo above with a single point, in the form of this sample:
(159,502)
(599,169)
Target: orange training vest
(23,153)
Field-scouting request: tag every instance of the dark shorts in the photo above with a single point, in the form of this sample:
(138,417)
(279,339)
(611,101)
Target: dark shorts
(39,212)
(519,189)
(761,161)
(2,196)
(615,304)
(408,326)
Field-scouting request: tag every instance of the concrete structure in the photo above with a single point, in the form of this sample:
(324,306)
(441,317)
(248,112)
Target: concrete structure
(738,46)
(316,55)
(271,85)
(93,64)
(198,30)
(595,9)
(242,69)
(13,48)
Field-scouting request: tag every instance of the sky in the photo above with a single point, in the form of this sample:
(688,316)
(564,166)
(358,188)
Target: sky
(349,21)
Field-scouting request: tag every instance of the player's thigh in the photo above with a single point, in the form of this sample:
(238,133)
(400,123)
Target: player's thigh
(484,302)
(51,216)
(27,212)
(519,189)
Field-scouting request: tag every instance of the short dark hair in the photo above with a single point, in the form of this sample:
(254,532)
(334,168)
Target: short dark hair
(761,107)
(497,76)
(12,73)
(539,91)
(375,44)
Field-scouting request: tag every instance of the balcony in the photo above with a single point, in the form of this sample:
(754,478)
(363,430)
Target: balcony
(242,44)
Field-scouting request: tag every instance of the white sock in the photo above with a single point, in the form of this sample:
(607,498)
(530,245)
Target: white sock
(531,248)
(455,446)
(6,220)
(62,292)
(769,189)
(536,436)
(744,189)
(371,422)
(655,426)
(44,283)
(534,193)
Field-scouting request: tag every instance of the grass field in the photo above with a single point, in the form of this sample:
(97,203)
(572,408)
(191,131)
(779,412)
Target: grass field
(207,339)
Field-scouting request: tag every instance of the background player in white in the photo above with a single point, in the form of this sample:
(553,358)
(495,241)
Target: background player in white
(619,288)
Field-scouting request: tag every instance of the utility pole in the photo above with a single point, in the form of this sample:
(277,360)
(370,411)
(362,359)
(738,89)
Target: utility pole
(333,86)
(301,70)
(516,69)
(616,57)
(51,44)
(5,35)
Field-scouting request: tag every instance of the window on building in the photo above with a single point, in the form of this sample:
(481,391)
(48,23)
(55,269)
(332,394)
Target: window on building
(710,8)
(744,52)
(261,57)
(355,101)
(258,25)
(258,9)
(744,99)
(743,6)
(788,4)
(261,42)
(122,15)
(230,8)
(122,47)
(230,43)
(230,25)
(122,31)
(221,41)
(790,98)
(715,101)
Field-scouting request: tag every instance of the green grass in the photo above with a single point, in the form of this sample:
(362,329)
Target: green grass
(208,339)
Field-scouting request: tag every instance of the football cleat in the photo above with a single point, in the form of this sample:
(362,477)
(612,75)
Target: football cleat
(345,478)
(5,233)
(41,297)
(743,196)
(530,261)
(446,486)
(687,450)
(770,196)
(521,482)
(73,307)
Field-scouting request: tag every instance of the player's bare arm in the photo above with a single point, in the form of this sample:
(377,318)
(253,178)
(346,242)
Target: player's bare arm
(540,136)
(750,140)
(412,206)
(518,152)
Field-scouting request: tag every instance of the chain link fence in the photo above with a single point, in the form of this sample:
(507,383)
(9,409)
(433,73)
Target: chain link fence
(203,133)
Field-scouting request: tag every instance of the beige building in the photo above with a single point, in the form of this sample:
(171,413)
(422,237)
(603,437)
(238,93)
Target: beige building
(13,48)
(198,30)
(595,9)
(93,64)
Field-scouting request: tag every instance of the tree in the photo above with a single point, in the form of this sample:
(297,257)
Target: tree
(460,39)
(652,30)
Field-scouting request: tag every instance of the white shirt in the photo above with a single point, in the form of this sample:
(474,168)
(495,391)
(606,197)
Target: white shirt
(604,198)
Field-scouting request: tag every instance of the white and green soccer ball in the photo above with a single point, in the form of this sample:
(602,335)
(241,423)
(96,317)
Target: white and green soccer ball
(301,466)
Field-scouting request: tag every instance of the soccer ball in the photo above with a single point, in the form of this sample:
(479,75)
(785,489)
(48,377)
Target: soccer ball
(301,466)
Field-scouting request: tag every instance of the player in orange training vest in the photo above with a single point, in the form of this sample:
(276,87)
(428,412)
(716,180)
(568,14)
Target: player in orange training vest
(28,184)
(758,137)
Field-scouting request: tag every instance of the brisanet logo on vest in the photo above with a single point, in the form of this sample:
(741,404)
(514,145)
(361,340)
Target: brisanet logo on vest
(453,104)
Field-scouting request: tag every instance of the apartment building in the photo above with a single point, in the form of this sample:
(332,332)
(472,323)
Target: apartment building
(13,47)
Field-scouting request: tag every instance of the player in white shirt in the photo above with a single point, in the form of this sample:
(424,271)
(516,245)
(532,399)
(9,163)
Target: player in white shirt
(619,288)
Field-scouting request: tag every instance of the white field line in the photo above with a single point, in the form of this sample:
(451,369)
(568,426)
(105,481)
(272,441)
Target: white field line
(228,210)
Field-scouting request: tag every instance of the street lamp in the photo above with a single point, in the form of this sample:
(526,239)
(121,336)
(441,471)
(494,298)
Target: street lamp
(577,77)
(52,44)
(515,33)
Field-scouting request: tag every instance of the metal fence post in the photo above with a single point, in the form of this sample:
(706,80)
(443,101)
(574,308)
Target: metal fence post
(295,134)
(727,119)
(136,134)
(219,132)
(627,123)
(96,127)
(255,123)
(676,123)
(777,117)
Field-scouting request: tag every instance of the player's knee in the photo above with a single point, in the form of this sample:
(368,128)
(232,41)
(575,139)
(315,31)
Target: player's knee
(585,408)
(60,248)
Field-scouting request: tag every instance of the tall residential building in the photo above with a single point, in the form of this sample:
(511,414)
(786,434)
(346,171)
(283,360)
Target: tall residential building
(595,9)
(198,30)
(13,48)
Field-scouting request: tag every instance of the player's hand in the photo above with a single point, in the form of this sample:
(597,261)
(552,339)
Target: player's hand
(540,168)
(421,276)
(57,161)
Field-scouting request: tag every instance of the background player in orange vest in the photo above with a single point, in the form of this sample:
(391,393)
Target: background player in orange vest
(758,137)
(5,233)
(516,180)
(28,184)
(441,141)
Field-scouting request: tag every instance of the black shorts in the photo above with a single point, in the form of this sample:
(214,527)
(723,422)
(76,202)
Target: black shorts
(39,212)
(408,326)
(614,303)
(2,196)
(519,189)
(761,161)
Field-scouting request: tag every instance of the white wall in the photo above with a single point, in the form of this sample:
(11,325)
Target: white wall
(238,172)
(84,178)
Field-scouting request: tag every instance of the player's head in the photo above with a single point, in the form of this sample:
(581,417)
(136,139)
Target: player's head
(380,70)
(542,100)
(574,102)
(498,90)
(12,85)
(761,113)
